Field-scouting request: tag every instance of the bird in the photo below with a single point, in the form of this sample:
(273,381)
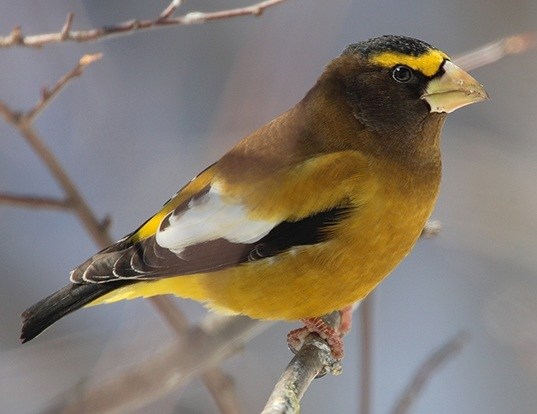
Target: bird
(306,215)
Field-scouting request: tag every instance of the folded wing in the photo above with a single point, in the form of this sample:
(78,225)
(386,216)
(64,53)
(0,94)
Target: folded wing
(204,234)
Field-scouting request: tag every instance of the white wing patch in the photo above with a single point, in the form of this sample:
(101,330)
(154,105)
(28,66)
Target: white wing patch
(209,218)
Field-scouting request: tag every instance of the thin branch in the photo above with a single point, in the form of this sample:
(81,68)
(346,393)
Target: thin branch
(426,371)
(220,385)
(165,19)
(492,52)
(366,355)
(47,95)
(23,122)
(170,10)
(206,346)
(66,29)
(34,202)
(314,359)
(432,229)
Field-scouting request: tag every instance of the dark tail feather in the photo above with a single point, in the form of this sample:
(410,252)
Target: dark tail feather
(44,313)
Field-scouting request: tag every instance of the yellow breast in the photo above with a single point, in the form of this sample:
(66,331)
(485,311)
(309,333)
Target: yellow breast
(315,280)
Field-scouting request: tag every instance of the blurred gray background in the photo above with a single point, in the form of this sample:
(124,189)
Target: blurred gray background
(162,105)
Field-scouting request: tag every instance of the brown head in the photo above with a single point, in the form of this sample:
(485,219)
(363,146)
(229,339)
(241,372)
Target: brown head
(398,89)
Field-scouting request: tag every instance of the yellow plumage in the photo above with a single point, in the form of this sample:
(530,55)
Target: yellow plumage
(386,222)
(307,214)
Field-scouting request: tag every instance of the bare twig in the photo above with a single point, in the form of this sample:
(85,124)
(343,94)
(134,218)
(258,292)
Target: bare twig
(492,52)
(66,29)
(165,19)
(426,371)
(206,346)
(23,122)
(366,354)
(47,95)
(312,360)
(219,385)
(34,202)
(432,229)
(222,385)
(170,10)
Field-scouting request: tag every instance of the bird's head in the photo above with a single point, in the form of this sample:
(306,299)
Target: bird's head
(393,83)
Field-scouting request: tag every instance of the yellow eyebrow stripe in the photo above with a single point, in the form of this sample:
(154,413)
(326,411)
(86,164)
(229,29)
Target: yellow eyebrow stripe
(427,63)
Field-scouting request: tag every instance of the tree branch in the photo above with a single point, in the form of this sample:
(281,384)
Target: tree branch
(201,348)
(426,371)
(34,202)
(366,354)
(432,229)
(314,359)
(164,19)
(47,95)
(98,230)
(23,123)
(492,52)
(220,385)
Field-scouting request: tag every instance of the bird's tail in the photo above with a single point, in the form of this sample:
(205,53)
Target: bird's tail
(44,313)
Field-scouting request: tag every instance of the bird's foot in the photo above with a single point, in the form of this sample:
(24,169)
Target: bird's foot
(346,320)
(332,336)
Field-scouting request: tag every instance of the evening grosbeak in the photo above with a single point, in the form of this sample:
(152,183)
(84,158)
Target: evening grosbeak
(306,215)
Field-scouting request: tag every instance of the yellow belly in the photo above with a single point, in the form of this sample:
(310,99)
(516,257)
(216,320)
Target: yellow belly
(310,281)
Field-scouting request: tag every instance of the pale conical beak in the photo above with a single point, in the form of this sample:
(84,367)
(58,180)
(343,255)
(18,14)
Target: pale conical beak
(453,90)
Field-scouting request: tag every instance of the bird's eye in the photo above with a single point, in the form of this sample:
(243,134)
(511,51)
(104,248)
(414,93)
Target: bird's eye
(402,74)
